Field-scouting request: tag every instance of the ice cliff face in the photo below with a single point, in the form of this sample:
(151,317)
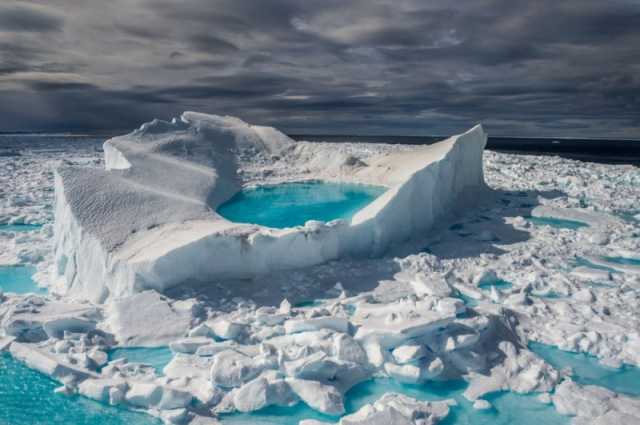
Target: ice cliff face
(149,221)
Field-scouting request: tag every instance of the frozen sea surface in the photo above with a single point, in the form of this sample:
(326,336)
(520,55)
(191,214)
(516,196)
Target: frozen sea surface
(18,279)
(508,408)
(27,398)
(293,204)
(588,371)
(540,256)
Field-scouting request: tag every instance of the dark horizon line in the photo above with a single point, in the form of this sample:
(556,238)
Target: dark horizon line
(561,138)
(298,135)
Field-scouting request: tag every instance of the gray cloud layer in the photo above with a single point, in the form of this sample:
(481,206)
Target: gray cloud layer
(569,68)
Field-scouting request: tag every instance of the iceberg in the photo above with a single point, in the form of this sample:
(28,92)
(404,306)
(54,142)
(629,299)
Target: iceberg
(148,220)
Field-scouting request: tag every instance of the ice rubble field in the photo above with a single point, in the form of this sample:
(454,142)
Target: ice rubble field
(435,331)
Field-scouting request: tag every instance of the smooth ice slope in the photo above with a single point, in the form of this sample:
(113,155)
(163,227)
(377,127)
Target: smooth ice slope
(148,220)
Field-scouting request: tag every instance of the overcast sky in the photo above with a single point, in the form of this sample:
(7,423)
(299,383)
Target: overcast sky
(532,68)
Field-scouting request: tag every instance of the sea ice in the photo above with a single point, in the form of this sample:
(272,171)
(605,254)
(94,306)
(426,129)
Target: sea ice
(450,310)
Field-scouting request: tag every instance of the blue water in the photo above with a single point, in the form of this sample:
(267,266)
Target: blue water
(580,261)
(628,215)
(498,283)
(557,222)
(18,279)
(309,303)
(508,408)
(158,357)
(27,398)
(623,261)
(19,227)
(588,371)
(293,204)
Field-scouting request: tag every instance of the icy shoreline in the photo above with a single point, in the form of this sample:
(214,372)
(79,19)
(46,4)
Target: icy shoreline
(439,298)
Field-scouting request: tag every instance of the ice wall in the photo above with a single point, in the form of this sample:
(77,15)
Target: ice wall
(148,220)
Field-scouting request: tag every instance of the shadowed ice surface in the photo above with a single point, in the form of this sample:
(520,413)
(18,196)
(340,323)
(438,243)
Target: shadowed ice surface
(588,371)
(508,408)
(18,279)
(293,204)
(27,398)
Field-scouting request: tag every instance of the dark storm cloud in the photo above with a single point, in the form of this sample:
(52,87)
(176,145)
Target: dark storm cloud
(398,66)
(51,86)
(211,44)
(22,17)
(13,67)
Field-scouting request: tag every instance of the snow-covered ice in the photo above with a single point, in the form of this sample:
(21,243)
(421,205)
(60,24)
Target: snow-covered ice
(446,291)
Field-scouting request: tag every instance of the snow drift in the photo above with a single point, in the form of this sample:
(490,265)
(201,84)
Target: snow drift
(148,220)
